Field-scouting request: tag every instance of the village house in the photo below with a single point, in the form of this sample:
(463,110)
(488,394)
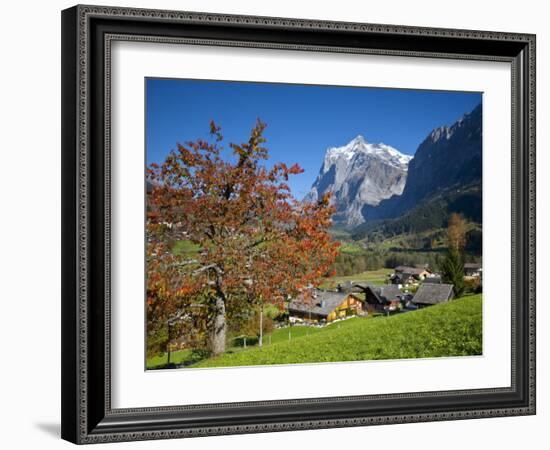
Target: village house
(432,294)
(351,287)
(472,269)
(324,306)
(380,298)
(420,272)
(403,279)
(407,275)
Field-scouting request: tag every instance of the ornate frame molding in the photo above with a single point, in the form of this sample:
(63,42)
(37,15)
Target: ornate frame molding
(85,421)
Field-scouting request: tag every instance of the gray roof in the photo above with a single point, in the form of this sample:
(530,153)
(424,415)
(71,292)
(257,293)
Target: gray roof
(390,292)
(410,270)
(472,265)
(351,286)
(386,293)
(432,294)
(323,304)
(403,276)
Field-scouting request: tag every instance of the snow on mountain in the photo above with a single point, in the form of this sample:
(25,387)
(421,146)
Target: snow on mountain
(360,173)
(360,145)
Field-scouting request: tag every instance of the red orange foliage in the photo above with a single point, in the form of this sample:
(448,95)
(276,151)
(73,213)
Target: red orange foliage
(256,243)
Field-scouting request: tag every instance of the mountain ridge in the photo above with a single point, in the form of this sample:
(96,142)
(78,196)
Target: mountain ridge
(449,156)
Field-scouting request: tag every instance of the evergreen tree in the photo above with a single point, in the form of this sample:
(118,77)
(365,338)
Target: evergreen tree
(453,265)
(452,271)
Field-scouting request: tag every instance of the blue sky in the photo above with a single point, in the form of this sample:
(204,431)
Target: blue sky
(302,121)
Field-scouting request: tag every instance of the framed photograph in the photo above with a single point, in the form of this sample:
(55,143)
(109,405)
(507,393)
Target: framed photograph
(281,224)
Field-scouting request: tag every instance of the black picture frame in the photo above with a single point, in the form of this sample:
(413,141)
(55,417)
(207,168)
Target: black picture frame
(87,415)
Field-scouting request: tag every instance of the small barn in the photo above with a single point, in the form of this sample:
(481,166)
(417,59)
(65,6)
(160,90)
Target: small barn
(433,294)
(318,305)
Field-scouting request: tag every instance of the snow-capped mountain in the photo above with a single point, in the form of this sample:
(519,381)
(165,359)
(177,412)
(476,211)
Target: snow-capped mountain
(358,174)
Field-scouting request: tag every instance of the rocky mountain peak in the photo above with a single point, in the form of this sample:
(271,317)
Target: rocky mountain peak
(360,173)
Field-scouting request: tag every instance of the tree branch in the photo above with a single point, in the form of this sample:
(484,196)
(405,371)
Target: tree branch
(216,268)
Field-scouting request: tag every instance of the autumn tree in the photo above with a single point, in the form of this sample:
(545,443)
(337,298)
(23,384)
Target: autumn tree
(452,267)
(172,310)
(456,232)
(255,243)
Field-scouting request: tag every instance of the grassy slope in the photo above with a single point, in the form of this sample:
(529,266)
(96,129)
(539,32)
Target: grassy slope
(410,241)
(452,329)
(279,335)
(352,248)
(176,357)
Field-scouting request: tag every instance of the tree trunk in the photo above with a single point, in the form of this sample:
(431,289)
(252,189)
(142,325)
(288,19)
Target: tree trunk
(261,338)
(168,348)
(217,339)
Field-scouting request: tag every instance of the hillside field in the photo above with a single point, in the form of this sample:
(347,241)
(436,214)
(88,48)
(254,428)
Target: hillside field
(188,357)
(450,329)
(376,277)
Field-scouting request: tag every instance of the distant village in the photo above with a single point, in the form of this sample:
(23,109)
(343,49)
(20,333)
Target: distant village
(407,289)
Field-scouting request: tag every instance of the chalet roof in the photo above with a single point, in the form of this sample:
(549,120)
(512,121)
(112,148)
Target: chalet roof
(351,286)
(322,304)
(403,276)
(385,294)
(472,265)
(410,270)
(432,294)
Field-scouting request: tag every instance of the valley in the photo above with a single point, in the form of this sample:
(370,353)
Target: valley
(393,209)
(380,259)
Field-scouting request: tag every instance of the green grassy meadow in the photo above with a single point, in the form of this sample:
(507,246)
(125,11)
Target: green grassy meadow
(278,335)
(177,357)
(450,329)
(375,277)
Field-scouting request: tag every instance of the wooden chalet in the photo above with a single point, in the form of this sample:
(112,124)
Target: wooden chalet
(379,298)
(403,278)
(406,275)
(324,306)
(351,287)
(418,272)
